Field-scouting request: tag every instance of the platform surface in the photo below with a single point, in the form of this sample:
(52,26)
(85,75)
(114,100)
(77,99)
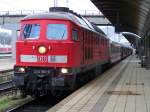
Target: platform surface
(6,64)
(123,88)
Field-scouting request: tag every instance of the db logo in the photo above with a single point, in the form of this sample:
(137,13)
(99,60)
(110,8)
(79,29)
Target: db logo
(42,59)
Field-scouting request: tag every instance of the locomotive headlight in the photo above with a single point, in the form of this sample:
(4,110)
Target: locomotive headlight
(64,70)
(42,49)
(20,70)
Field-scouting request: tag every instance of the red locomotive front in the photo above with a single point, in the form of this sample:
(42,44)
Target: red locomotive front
(44,43)
(45,51)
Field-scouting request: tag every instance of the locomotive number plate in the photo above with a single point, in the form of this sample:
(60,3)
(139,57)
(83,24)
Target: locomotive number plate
(41,71)
(42,59)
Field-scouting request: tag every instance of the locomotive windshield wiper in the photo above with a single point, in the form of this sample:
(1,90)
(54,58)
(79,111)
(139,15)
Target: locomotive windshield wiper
(63,35)
(27,31)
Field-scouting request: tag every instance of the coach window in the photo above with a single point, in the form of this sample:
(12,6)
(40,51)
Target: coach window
(74,35)
(31,31)
(57,31)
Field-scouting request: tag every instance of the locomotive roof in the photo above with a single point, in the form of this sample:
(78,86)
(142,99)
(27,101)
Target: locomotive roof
(66,16)
(58,15)
(61,15)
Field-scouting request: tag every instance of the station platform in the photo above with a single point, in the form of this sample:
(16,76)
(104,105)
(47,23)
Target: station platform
(123,88)
(6,64)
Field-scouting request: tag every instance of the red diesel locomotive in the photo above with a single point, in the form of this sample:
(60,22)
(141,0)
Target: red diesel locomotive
(55,49)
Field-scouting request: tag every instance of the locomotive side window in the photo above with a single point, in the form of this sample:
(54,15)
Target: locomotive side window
(57,31)
(31,31)
(75,35)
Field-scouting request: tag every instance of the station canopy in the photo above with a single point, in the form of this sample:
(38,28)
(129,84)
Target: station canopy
(126,15)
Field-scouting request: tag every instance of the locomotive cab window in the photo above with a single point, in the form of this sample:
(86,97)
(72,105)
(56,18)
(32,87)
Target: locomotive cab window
(31,31)
(57,31)
(74,35)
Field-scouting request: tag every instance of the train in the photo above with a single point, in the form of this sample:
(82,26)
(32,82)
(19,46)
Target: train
(56,51)
(7,49)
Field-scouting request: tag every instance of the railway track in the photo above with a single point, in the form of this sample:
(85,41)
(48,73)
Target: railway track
(8,71)
(41,104)
(6,83)
(36,105)
(6,87)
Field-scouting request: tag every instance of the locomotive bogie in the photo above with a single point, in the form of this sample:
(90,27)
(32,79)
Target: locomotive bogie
(43,79)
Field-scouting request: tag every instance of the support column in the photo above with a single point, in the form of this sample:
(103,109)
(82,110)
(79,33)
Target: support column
(148,52)
(13,43)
